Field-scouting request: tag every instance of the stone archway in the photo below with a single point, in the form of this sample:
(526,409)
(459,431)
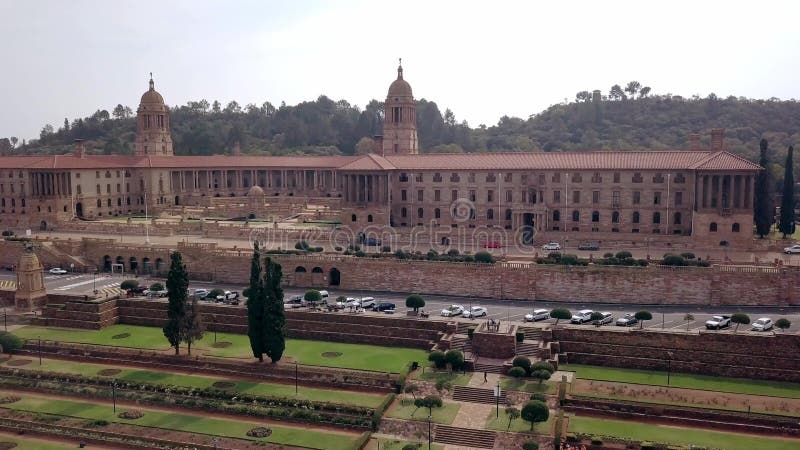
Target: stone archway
(134,264)
(177,200)
(159,266)
(106,263)
(147,265)
(335,277)
(43,226)
(79,210)
(121,262)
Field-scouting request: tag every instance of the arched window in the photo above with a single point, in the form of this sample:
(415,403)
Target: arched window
(403,212)
(735,227)
(635,217)
(369,218)
(119,201)
(420,213)
(437,213)
(489,214)
(472,213)
(556,216)
(98,188)
(576,216)
(108,202)
(99,203)
(353,218)
(615,217)
(508,214)
(676,220)
(712,227)
(656,218)
(595,216)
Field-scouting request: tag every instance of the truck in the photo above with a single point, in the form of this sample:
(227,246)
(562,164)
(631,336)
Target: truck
(717,322)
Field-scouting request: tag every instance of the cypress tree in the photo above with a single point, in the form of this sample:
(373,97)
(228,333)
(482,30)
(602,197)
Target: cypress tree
(274,315)
(255,306)
(193,325)
(763,199)
(177,287)
(786,225)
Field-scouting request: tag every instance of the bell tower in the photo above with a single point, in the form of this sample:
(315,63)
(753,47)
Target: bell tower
(400,118)
(152,125)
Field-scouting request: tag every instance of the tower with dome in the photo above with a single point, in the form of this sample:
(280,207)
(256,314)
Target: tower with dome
(152,125)
(400,119)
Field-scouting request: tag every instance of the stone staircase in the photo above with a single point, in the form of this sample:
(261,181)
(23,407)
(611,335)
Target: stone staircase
(531,333)
(464,437)
(488,367)
(476,395)
(463,343)
(462,327)
(528,349)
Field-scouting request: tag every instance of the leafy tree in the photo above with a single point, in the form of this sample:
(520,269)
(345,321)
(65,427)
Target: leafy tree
(127,285)
(9,342)
(543,365)
(523,362)
(177,287)
(513,414)
(412,389)
(312,296)
(739,319)
(157,287)
(641,316)
(274,315)
(763,210)
(454,358)
(535,411)
(255,306)
(214,293)
(616,93)
(688,318)
(560,314)
(783,324)
(430,402)
(624,254)
(194,327)
(415,301)
(644,92)
(787,224)
(484,257)
(365,145)
(583,96)
(632,88)
(437,358)
(517,372)
(541,375)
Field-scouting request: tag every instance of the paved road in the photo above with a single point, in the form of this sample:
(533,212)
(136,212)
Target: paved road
(666,317)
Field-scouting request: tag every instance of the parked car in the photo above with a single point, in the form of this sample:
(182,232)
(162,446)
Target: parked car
(384,306)
(352,302)
(493,244)
(57,271)
(452,311)
(582,316)
(227,295)
(537,314)
(793,249)
(367,302)
(324,294)
(762,324)
(607,318)
(295,301)
(551,246)
(591,245)
(201,293)
(475,311)
(628,320)
(717,322)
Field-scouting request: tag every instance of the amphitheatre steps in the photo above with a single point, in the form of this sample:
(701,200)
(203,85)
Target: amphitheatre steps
(531,333)
(489,367)
(464,437)
(528,349)
(476,395)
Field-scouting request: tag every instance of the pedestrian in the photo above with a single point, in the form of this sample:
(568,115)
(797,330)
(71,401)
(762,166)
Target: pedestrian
(485,379)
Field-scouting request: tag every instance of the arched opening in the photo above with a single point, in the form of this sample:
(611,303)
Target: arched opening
(134,264)
(437,213)
(420,213)
(43,226)
(403,212)
(335,277)
(79,209)
(106,263)
(556,216)
(615,217)
(121,261)
(595,216)
(677,219)
(445,241)
(159,265)
(147,265)
(316,270)
(299,269)
(576,216)
(508,214)
(735,227)
(353,218)
(635,217)
(489,214)
(712,227)
(528,228)
(369,218)
(656,218)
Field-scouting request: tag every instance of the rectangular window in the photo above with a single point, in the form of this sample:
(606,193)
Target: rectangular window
(471,178)
(403,195)
(637,197)
(524,195)
(576,197)
(556,177)
(472,196)
(420,195)
(419,178)
(595,197)
(453,195)
(509,196)
(437,195)
(509,177)
(556,196)
(678,198)
(615,196)
(541,178)
(437,177)
(656,198)
(616,177)
(490,195)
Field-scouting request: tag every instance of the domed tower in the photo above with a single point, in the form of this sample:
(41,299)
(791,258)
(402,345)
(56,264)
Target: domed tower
(400,119)
(152,125)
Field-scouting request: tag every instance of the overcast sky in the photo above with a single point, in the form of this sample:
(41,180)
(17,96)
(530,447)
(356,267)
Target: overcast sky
(483,60)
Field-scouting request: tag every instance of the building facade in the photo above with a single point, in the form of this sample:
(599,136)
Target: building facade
(702,195)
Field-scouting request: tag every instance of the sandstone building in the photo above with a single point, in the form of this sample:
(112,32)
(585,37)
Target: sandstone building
(697,195)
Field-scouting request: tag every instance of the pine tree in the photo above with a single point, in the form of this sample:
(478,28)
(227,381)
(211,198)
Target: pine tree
(787,225)
(255,306)
(177,287)
(763,199)
(274,315)
(193,325)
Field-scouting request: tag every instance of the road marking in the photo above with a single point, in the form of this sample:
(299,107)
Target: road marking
(73,285)
(8,284)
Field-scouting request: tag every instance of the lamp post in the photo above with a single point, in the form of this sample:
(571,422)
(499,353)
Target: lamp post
(295,378)
(94,281)
(114,395)
(40,350)
(669,365)
(497,399)
(430,437)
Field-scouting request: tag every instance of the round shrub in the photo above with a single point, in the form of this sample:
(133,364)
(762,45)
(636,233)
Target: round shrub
(312,296)
(437,358)
(484,257)
(359,254)
(9,342)
(158,287)
(623,254)
(455,358)
(517,372)
(522,361)
(530,445)
(386,249)
(608,255)
(415,301)
(673,260)
(214,293)
(128,285)
(543,365)
(337,248)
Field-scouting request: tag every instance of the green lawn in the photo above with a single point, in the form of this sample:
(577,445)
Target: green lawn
(517,425)
(32,443)
(238,428)
(515,384)
(407,410)
(198,381)
(395,444)
(678,435)
(454,378)
(684,380)
(307,352)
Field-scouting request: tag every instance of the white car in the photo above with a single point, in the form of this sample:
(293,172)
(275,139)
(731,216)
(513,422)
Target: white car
(453,310)
(537,314)
(607,318)
(717,322)
(762,324)
(551,246)
(57,271)
(475,311)
(351,303)
(367,302)
(793,249)
(582,316)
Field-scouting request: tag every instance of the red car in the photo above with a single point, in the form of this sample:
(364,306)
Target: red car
(492,245)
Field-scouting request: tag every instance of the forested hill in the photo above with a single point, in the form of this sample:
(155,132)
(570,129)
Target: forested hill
(325,126)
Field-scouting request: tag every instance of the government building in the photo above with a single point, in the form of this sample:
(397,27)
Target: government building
(693,196)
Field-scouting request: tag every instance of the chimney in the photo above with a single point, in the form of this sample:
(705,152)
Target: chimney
(717,139)
(597,96)
(694,142)
(237,149)
(80,149)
